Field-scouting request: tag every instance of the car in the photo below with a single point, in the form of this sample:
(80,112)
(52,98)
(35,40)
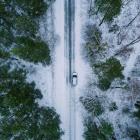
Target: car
(74,79)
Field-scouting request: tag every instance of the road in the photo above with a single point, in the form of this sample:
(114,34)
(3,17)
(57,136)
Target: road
(67,54)
(70,58)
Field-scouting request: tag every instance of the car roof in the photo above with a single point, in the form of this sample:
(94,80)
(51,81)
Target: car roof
(74,73)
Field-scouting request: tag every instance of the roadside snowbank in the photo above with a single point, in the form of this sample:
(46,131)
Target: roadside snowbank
(82,68)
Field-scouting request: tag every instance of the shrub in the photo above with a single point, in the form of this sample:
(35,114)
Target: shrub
(95,132)
(93,43)
(93,35)
(108,8)
(92,105)
(137,113)
(126,110)
(107,72)
(133,133)
(113,106)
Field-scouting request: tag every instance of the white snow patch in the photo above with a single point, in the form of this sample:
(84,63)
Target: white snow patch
(132,60)
(43,79)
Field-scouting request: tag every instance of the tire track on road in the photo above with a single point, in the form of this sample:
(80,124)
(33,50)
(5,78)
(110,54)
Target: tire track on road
(70,62)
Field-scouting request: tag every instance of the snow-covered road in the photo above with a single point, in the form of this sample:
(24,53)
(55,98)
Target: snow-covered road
(63,92)
(68,60)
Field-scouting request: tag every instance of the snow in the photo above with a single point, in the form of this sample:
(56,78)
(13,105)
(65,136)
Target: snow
(42,77)
(61,91)
(132,60)
(61,97)
(117,41)
(82,68)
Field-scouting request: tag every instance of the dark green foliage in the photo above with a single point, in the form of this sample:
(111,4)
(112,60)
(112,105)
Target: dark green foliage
(92,105)
(95,132)
(34,8)
(137,113)
(108,8)
(4,54)
(25,25)
(32,50)
(7,78)
(14,18)
(106,129)
(108,71)
(113,106)
(21,115)
(21,118)
(104,83)
(20,18)
(6,37)
(40,123)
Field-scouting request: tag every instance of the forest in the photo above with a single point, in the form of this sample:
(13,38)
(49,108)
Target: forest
(111,98)
(21,117)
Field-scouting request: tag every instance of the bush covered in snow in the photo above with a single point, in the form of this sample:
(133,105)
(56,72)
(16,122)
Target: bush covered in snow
(112,43)
(93,43)
(92,105)
(102,131)
(133,133)
(107,8)
(113,106)
(137,113)
(107,72)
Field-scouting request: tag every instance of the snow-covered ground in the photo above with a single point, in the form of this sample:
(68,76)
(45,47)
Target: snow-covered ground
(81,66)
(132,60)
(42,77)
(60,93)
(128,56)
